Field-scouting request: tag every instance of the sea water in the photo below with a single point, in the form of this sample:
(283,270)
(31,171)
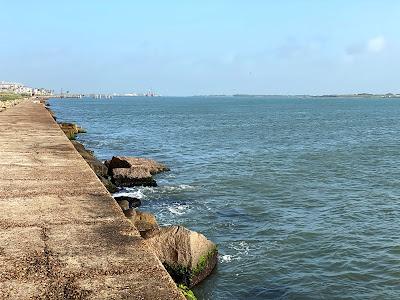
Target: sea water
(302,195)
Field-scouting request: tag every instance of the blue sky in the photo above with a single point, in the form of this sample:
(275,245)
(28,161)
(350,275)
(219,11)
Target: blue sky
(203,47)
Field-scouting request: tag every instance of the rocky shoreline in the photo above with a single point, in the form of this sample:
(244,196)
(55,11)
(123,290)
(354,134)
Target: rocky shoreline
(188,256)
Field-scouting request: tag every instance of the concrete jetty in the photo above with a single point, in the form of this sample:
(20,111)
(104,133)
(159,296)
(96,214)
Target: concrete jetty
(62,235)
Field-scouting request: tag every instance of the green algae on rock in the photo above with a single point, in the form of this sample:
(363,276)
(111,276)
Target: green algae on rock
(188,256)
(189,295)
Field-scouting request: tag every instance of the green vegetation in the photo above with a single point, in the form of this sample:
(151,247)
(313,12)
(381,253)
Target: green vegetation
(184,275)
(187,292)
(203,261)
(10,97)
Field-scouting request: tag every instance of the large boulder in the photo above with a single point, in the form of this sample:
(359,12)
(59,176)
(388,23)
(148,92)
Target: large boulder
(150,165)
(132,177)
(188,256)
(133,171)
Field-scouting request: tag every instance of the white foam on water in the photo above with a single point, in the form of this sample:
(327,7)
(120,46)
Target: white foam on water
(226,258)
(136,193)
(143,192)
(179,209)
(177,188)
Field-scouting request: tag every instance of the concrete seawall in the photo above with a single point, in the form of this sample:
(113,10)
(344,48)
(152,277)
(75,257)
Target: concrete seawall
(62,235)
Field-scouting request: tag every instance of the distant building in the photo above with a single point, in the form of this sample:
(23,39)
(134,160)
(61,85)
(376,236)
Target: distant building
(18,88)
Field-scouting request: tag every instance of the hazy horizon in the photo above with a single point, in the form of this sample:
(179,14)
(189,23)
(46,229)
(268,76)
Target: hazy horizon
(203,48)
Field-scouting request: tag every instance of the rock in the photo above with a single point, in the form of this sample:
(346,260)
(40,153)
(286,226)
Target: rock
(145,222)
(108,184)
(132,201)
(107,163)
(130,213)
(52,113)
(96,165)
(150,165)
(133,171)
(188,256)
(132,177)
(71,129)
(124,204)
(85,153)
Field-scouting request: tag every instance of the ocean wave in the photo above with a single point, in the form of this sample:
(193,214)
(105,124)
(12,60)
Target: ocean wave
(135,193)
(177,188)
(144,192)
(238,250)
(178,209)
(225,258)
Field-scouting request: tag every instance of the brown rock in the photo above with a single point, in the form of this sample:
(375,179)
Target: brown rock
(150,165)
(108,184)
(124,204)
(132,177)
(145,222)
(132,201)
(96,165)
(187,255)
(85,153)
(130,213)
(71,129)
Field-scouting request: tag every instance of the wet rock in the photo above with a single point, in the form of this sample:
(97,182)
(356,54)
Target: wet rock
(187,255)
(132,201)
(132,177)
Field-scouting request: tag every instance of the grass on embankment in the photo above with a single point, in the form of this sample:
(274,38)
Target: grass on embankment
(10,97)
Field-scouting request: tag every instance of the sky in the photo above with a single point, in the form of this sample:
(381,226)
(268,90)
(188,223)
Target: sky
(202,47)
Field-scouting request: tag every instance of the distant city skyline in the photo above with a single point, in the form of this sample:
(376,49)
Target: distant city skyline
(203,47)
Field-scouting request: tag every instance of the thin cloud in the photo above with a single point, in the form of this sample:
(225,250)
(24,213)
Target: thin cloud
(376,44)
(373,45)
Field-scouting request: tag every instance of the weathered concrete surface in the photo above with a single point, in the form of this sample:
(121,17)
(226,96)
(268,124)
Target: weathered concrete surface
(62,236)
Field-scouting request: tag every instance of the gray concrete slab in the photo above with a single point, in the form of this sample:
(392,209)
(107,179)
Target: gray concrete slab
(62,235)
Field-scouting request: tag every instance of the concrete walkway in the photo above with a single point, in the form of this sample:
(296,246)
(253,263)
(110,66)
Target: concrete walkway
(62,236)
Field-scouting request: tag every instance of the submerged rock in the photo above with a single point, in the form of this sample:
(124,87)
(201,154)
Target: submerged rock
(188,256)
(132,201)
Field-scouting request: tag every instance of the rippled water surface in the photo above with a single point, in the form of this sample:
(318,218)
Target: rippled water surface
(301,195)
